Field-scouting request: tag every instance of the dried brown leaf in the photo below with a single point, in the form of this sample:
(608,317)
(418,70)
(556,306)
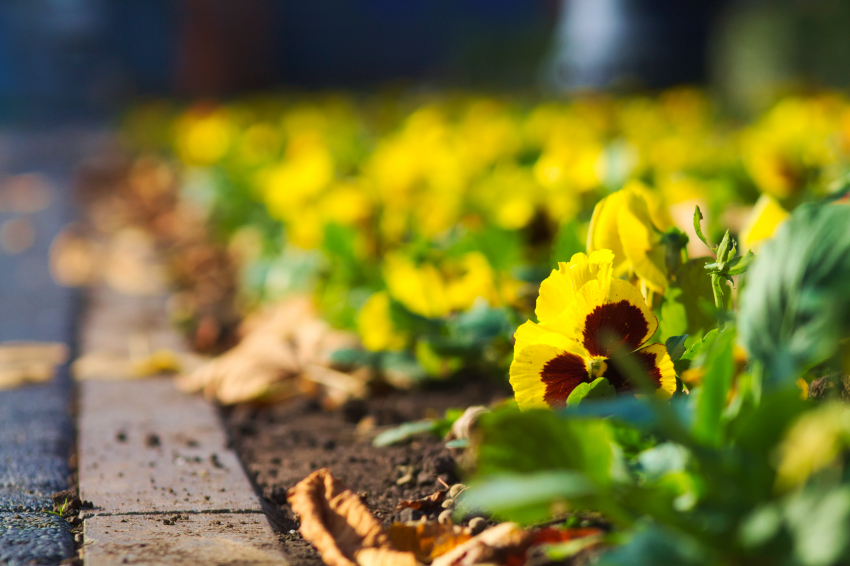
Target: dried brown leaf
(425,503)
(335,521)
(427,540)
(282,349)
(494,545)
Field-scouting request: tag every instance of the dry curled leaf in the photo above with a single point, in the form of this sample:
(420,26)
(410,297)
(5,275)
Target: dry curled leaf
(282,350)
(425,503)
(427,540)
(335,521)
(553,535)
(495,545)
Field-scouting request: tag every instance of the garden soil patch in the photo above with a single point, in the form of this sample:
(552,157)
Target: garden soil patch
(282,444)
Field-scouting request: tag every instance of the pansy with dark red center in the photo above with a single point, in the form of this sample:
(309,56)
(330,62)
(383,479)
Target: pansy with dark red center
(600,332)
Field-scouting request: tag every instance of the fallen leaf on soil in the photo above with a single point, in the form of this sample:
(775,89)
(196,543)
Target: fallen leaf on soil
(553,535)
(427,540)
(335,521)
(29,362)
(433,500)
(279,352)
(495,545)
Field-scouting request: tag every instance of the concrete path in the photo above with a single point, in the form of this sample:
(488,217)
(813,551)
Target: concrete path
(36,432)
(155,462)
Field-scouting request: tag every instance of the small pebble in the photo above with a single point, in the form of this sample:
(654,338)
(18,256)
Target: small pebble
(477,525)
(455,490)
(445,517)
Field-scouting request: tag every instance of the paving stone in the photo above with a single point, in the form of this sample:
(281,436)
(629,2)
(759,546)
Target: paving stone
(144,446)
(28,539)
(154,540)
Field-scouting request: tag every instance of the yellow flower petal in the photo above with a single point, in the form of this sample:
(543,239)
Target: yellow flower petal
(557,290)
(527,334)
(544,374)
(658,211)
(641,241)
(767,215)
(607,322)
(603,233)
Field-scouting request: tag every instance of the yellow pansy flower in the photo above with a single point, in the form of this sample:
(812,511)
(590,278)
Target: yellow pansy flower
(603,323)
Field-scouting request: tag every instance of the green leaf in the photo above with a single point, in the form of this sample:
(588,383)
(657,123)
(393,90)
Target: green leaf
(663,459)
(676,346)
(719,368)
(698,226)
(697,349)
(354,357)
(567,242)
(526,498)
(402,363)
(481,324)
(682,311)
(655,546)
(741,263)
(403,432)
(458,443)
(527,442)
(795,306)
(502,248)
(562,551)
(819,520)
(599,388)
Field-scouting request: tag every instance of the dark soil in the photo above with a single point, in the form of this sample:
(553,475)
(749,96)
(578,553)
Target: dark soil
(281,445)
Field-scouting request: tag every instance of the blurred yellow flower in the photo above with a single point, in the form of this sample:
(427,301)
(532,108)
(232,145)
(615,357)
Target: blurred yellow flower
(767,215)
(419,288)
(375,325)
(203,138)
(812,443)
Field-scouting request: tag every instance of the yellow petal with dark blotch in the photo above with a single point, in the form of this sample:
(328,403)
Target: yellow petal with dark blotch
(544,374)
(557,290)
(603,233)
(653,360)
(607,322)
(528,333)
(641,242)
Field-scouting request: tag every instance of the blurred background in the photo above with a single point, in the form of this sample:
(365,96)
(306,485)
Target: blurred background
(372,151)
(78,57)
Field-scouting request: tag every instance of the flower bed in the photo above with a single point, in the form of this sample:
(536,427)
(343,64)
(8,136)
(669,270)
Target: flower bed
(648,389)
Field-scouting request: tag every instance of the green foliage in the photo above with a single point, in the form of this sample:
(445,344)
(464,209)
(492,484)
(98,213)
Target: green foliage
(795,307)
(715,387)
(437,427)
(567,243)
(682,311)
(599,388)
